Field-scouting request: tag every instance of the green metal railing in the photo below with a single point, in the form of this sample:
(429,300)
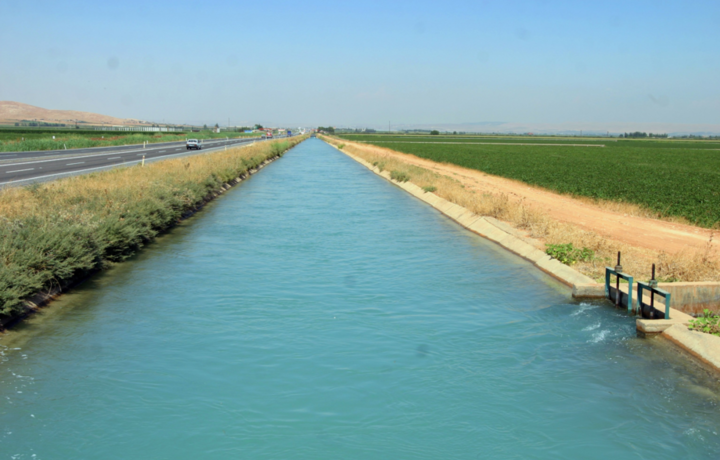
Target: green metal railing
(618,274)
(651,286)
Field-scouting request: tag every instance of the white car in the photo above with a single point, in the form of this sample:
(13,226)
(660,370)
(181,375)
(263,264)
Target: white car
(193,144)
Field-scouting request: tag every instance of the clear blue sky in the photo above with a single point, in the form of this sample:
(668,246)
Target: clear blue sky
(367,62)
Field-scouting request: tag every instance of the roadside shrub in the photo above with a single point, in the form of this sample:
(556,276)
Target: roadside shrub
(380,165)
(429,188)
(278,148)
(568,254)
(340,146)
(399,176)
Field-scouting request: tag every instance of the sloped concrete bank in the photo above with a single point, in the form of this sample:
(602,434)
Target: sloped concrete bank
(41,299)
(703,346)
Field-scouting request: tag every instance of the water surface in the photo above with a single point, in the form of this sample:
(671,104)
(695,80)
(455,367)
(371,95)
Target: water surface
(318,312)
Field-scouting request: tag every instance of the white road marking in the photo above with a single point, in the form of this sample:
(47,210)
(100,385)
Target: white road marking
(114,158)
(78,163)
(93,169)
(19,170)
(72,158)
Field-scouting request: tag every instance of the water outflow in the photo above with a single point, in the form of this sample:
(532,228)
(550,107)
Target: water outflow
(316,311)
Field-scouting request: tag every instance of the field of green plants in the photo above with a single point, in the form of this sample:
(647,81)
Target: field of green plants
(25,140)
(671,178)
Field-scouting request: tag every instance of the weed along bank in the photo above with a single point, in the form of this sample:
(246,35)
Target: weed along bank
(55,234)
(318,311)
(671,319)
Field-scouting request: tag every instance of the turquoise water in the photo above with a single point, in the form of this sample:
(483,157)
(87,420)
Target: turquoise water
(318,312)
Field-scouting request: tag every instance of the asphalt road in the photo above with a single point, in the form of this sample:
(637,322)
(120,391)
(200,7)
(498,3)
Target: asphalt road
(28,167)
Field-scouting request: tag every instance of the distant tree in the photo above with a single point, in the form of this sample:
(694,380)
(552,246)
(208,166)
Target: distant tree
(216,125)
(204,126)
(434,132)
(637,134)
(454,132)
(258,126)
(328,129)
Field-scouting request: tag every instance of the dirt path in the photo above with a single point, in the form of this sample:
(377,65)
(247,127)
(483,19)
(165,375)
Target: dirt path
(633,230)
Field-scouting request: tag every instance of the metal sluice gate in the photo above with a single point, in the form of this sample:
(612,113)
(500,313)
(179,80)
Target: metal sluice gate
(638,306)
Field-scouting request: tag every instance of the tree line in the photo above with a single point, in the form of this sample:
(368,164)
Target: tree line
(638,134)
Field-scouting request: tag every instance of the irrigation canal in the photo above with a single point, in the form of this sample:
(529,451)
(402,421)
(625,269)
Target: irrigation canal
(316,311)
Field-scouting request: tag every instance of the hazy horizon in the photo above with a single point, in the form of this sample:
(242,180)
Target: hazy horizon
(533,64)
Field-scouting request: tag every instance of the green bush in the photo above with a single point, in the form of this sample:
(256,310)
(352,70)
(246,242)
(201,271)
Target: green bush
(399,176)
(568,254)
(708,323)
(429,188)
(279,147)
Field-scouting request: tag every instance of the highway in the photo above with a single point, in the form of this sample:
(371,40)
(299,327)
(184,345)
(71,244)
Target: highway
(19,168)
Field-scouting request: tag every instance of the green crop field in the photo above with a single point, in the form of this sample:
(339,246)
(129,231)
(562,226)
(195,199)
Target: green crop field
(28,139)
(672,178)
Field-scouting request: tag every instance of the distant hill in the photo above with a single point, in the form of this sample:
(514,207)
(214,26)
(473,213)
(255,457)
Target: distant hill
(13,112)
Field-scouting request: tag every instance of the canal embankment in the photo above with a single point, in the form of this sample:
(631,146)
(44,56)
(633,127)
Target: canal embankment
(688,298)
(55,234)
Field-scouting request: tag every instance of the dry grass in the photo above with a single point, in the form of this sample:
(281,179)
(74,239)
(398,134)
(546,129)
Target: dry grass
(703,265)
(120,186)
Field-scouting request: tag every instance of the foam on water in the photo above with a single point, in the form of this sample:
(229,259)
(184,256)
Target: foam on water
(583,308)
(592,327)
(599,336)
